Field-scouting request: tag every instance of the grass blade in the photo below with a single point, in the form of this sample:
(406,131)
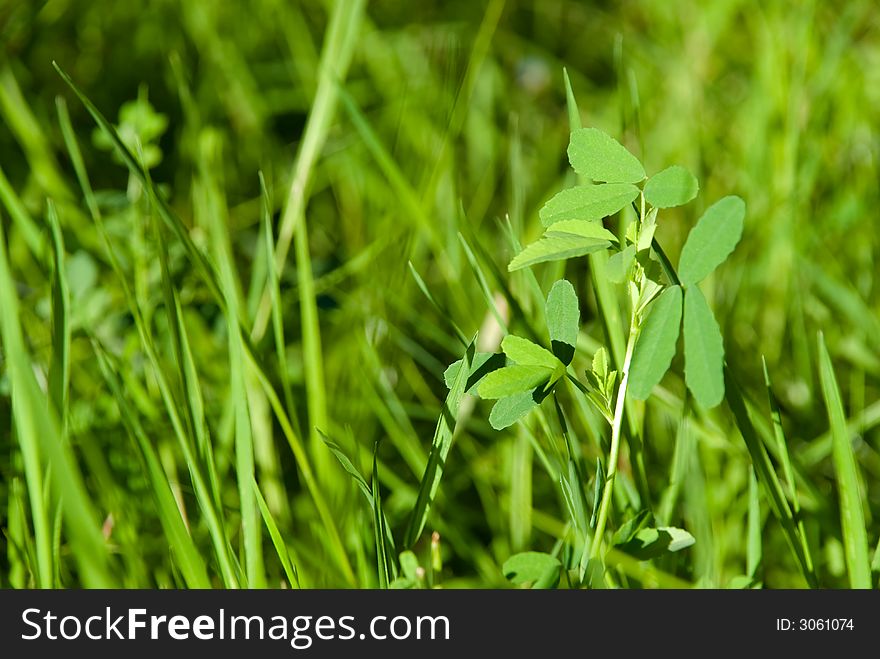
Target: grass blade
(766,474)
(439,449)
(380,530)
(852,516)
(59,369)
(287,563)
(787,468)
(39,435)
(189,559)
(215,213)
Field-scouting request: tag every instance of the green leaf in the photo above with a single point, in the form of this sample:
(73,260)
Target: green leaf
(409,565)
(703,350)
(674,186)
(556,248)
(526,353)
(852,515)
(600,157)
(513,380)
(511,409)
(484,363)
(650,543)
(656,345)
(712,239)
(618,264)
(581,229)
(563,316)
(532,569)
(629,529)
(588,202)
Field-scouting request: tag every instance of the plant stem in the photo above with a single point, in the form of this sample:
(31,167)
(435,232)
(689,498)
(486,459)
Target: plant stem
(616,428)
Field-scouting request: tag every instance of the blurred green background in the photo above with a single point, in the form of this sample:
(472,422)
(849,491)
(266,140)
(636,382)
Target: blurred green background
(451,118)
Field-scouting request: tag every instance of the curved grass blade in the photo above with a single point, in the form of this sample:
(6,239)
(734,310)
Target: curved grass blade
(287,563)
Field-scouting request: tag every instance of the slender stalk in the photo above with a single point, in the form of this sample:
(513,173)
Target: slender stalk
(616,427)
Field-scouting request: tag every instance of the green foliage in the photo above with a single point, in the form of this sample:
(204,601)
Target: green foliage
(656,344)
(703,350)
(598,156)
(532,569)
(564,240)
(315,215)
(563,319)
(588,202)
(712,240)
(674,186)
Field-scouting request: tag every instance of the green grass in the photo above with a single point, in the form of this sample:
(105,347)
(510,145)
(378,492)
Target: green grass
(239,251)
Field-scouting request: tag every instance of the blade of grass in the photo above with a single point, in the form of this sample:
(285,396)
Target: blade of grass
(423,287)
(754,555)
(203,492)
(189,559)
(180,231)
(787,468)
(277,314)
(380,520)
(39,434)
(215,214)
(766,474)
(287,563)
(59,368)
(852,516)
(308,475)
(439,449)
(22,219)
(384,568)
